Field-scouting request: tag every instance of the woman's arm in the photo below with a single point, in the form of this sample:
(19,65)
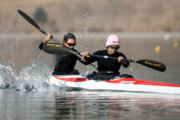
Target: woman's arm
(86,59)
(48,37)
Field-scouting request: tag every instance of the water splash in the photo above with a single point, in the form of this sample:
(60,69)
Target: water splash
(34,77)
(86,21)
(7,77)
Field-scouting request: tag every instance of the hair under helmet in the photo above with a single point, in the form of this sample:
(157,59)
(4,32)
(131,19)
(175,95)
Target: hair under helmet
(112,40)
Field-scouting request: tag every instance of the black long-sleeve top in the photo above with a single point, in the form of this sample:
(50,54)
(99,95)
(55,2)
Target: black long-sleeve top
(105,65)
(64,64)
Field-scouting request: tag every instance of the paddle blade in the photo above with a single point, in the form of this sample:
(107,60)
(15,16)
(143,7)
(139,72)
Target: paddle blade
(30,20)
(152,64)
(53,48)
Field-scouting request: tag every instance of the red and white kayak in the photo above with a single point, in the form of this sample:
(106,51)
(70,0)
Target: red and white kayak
(118,84)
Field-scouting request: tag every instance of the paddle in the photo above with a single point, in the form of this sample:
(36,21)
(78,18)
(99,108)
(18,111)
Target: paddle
(148,63)
(65,49)
(32,22)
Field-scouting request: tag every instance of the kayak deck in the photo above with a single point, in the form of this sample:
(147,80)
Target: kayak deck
(118,84)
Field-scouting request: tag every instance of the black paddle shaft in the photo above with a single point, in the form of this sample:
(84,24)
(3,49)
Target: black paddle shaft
(112,58)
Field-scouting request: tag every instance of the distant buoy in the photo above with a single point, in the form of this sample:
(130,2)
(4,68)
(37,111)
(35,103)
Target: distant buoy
(175,45)
(157,49)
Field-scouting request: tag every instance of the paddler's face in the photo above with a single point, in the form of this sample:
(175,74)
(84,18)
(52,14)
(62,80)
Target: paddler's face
(112,49)
(70,43)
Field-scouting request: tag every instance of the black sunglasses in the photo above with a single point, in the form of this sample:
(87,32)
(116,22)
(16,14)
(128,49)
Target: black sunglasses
(71,44)
(114,47)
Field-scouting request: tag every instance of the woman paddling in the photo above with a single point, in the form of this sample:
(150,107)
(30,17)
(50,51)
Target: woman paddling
(64,64)
(107,68)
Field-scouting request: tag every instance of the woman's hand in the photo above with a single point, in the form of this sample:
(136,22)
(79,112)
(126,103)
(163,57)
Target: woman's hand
(120,59)
(48,37)
(85,54)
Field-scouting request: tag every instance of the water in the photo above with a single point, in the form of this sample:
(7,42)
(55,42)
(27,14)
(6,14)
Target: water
(28,96)
(89,105)
(25,93)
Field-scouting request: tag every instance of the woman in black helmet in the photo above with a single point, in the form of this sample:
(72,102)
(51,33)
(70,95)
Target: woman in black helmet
(64,64)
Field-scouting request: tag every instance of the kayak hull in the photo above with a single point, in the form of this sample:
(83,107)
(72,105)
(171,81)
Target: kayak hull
(118,84)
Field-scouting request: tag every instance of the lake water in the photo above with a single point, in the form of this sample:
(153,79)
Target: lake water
(25,70)
(87,105)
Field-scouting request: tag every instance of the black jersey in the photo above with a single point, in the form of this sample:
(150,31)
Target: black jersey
(105,65)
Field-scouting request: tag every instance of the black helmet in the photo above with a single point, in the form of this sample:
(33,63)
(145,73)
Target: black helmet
(69,36)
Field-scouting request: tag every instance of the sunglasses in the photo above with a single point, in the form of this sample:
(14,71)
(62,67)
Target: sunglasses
(114,47)
(71,44)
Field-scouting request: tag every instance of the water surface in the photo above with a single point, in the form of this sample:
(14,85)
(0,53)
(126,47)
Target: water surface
(87,105)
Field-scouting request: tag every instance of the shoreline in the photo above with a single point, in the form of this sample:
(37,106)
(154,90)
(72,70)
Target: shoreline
(97,35)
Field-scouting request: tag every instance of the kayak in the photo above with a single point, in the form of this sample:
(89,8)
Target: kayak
(118,84)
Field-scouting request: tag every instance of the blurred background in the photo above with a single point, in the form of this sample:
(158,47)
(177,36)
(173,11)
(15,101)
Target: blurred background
(147,29)
(101,16)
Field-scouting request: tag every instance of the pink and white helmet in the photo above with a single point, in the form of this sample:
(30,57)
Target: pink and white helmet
(112,40)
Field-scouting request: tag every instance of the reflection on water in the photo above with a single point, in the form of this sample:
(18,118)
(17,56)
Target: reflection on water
(87,105)
(108,105)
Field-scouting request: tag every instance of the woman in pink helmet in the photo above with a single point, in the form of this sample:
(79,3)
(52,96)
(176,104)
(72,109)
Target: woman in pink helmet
(107,68)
